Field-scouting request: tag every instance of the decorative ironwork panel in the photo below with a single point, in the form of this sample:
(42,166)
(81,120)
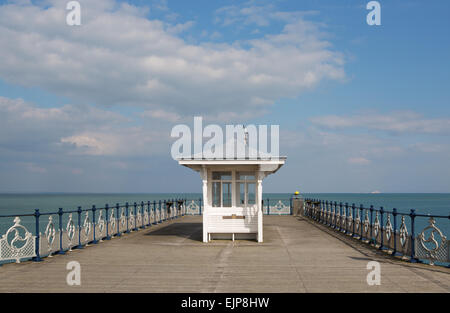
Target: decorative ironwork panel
(376,227)
(131,220)
(152,216)
(389,235)
(193,208)
(146,216)
(18,243)
(357,222)
(122,221)
(338,219)
(366,225)
(403,236)
(49,237)
(69,234)
(100,227)
(350,221)
(139,217)
(112,224)
(280,208)
(86,229)
(432,245)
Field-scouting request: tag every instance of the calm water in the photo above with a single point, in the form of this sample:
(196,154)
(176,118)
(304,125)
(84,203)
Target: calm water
(11,204)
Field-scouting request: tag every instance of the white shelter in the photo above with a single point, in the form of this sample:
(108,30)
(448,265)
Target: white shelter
(232,195)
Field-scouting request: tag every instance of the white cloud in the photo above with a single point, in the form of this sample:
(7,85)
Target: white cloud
(118,57)
(257,14)
(179,28)
(162,115)
(397,123)
(78,130)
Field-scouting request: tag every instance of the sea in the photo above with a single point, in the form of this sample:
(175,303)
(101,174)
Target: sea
(22,204)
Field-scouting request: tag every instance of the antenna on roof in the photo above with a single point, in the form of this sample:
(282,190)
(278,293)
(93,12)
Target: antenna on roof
(245,135)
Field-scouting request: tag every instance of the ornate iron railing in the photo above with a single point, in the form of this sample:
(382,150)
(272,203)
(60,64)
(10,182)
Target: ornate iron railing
(391,231)
(61,231)
(270,206)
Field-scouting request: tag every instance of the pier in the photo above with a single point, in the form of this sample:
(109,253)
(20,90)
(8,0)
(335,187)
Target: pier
(298,255)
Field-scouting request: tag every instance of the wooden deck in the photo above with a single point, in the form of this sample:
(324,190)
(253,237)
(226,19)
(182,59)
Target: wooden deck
(297,256)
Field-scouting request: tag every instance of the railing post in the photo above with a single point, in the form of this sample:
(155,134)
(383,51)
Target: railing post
(60,214)
(381,228)
(135,217)
(413,252)
(361,223)
(318,209)
(346,218)
(290,206)
(79,228)
(37,258)
(353,220)
(315,210)
(127,213)
(340,216)
(95,241)
(333,214)
(108,237)
(268,206)
(330,210)
(142,215)
(149,212)
(394,215)
(118,220)
(329,213)
(165,210)
(200,206)
(160,212)
(371,224)
(155,221)
(175,208)
(323,212)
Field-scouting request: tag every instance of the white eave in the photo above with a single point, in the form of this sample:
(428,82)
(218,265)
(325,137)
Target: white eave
(264,164)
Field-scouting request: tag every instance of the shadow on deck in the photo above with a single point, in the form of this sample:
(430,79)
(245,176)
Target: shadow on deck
(191,231)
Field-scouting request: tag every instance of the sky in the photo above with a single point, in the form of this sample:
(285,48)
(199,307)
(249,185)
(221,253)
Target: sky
(90,108)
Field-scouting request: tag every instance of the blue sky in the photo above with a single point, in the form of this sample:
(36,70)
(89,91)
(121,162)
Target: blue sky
(89,108)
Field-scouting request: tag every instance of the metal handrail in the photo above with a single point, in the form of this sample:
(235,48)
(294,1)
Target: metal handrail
(66,233)
(377,228)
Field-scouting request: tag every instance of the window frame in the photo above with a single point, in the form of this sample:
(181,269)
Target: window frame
(221,182)
(245,182)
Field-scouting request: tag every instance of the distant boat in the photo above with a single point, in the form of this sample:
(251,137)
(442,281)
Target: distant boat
(375,192)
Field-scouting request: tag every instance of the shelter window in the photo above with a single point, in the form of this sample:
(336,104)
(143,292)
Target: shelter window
(221,189)
(245,188)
